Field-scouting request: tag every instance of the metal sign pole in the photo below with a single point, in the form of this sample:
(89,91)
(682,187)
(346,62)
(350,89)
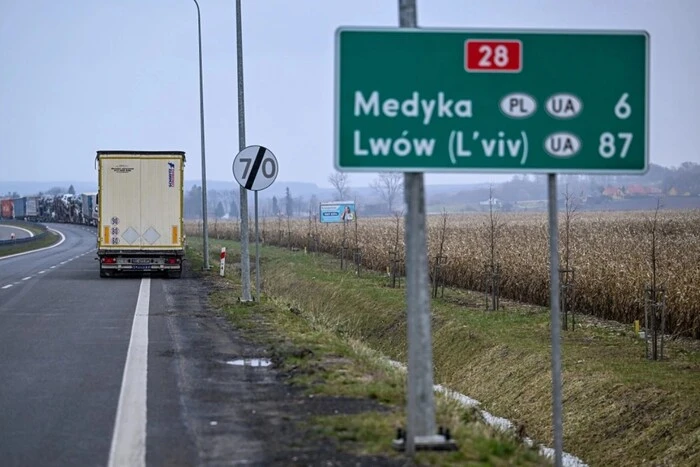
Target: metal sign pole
(421,405)
(554,303)
(257,252)
(255,168)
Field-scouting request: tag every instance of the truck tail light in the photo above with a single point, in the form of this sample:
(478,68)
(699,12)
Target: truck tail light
(109,260)
(171,261)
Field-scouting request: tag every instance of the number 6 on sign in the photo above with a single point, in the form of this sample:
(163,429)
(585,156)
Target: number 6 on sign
(622,109)
(255,168)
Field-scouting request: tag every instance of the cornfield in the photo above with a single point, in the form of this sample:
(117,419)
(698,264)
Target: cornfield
(610,252)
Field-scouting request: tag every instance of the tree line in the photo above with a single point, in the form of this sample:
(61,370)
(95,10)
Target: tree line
(388,190)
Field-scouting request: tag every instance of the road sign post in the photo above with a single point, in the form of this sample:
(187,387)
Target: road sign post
(222,264)
(475,100)
(255,168)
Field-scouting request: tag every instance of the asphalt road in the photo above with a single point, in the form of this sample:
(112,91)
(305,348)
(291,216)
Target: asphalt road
(7,230)
(136,371)
(64,338)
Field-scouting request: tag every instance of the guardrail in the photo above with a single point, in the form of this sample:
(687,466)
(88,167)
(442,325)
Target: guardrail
(18,241)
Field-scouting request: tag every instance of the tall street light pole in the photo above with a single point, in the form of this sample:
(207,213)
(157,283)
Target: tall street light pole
(205,232)
(245,252)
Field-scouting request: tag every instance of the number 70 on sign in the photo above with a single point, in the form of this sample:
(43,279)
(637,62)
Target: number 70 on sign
(255,168)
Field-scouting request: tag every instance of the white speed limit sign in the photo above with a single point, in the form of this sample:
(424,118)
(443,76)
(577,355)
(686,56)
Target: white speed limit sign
(255,168)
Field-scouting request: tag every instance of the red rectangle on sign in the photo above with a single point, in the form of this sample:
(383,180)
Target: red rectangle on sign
(493,55)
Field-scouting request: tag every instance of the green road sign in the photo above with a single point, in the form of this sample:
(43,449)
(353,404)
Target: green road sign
(434,100)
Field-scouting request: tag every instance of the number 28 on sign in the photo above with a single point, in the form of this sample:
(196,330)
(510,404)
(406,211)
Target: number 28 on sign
(493,55)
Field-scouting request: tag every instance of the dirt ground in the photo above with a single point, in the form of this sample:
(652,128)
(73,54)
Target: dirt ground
(245,415)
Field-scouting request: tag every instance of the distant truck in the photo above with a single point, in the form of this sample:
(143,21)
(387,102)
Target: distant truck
(140,211)
(7,209)
(26,208)
(88,208)
(18,208)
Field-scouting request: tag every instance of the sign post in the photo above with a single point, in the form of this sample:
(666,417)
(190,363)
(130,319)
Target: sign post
(222,264)
(255,168)
(485,100)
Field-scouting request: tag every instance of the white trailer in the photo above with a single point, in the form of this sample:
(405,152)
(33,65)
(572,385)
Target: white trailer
(140,205)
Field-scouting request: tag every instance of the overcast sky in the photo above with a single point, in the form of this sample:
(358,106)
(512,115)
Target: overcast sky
(81,75)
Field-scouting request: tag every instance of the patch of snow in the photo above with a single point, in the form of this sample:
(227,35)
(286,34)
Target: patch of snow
(499,423)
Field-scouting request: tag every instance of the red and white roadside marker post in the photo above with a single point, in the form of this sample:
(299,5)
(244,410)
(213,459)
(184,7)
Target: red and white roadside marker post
(222,265)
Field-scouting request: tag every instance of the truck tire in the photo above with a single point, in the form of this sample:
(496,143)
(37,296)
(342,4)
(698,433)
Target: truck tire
(103,273)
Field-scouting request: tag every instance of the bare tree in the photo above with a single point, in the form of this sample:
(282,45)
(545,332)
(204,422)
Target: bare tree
(654,230)
(440,259)
(494,226)
(655,318)
(340,181)
(389,186)
(493,232)
(571,205)
(398,216)
(394,257)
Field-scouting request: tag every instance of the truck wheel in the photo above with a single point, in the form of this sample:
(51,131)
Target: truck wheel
(103,273)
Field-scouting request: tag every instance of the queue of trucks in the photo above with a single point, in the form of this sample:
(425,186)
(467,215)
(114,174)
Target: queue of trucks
(64,208)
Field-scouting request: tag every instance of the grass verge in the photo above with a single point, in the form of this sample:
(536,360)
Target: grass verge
(326,363)
(619,409)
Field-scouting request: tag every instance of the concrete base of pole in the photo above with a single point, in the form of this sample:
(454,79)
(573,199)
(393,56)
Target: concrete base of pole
(427,443)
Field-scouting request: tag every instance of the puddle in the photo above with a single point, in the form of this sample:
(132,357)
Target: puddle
(250,362)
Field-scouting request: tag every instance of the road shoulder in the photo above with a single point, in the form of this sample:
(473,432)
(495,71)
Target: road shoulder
(232,413)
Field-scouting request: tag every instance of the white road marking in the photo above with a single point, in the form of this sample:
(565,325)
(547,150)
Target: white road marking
(27,278)
(42,272)
(29,232)
(129,438)
(7,286)
(63,262)
(63,239)
(52,267)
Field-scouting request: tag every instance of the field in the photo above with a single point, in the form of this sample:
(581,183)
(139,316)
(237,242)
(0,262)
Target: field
(614,255)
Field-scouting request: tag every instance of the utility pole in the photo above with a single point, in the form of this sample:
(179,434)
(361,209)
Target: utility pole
(245,253)
(205,231)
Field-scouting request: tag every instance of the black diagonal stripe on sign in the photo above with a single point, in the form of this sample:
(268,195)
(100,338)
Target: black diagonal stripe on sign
(256,166)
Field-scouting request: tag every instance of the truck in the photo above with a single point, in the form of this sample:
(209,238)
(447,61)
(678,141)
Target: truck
(31,208)
(140,200)
(7,209)
(88,208)
(26,208)
(19,205)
